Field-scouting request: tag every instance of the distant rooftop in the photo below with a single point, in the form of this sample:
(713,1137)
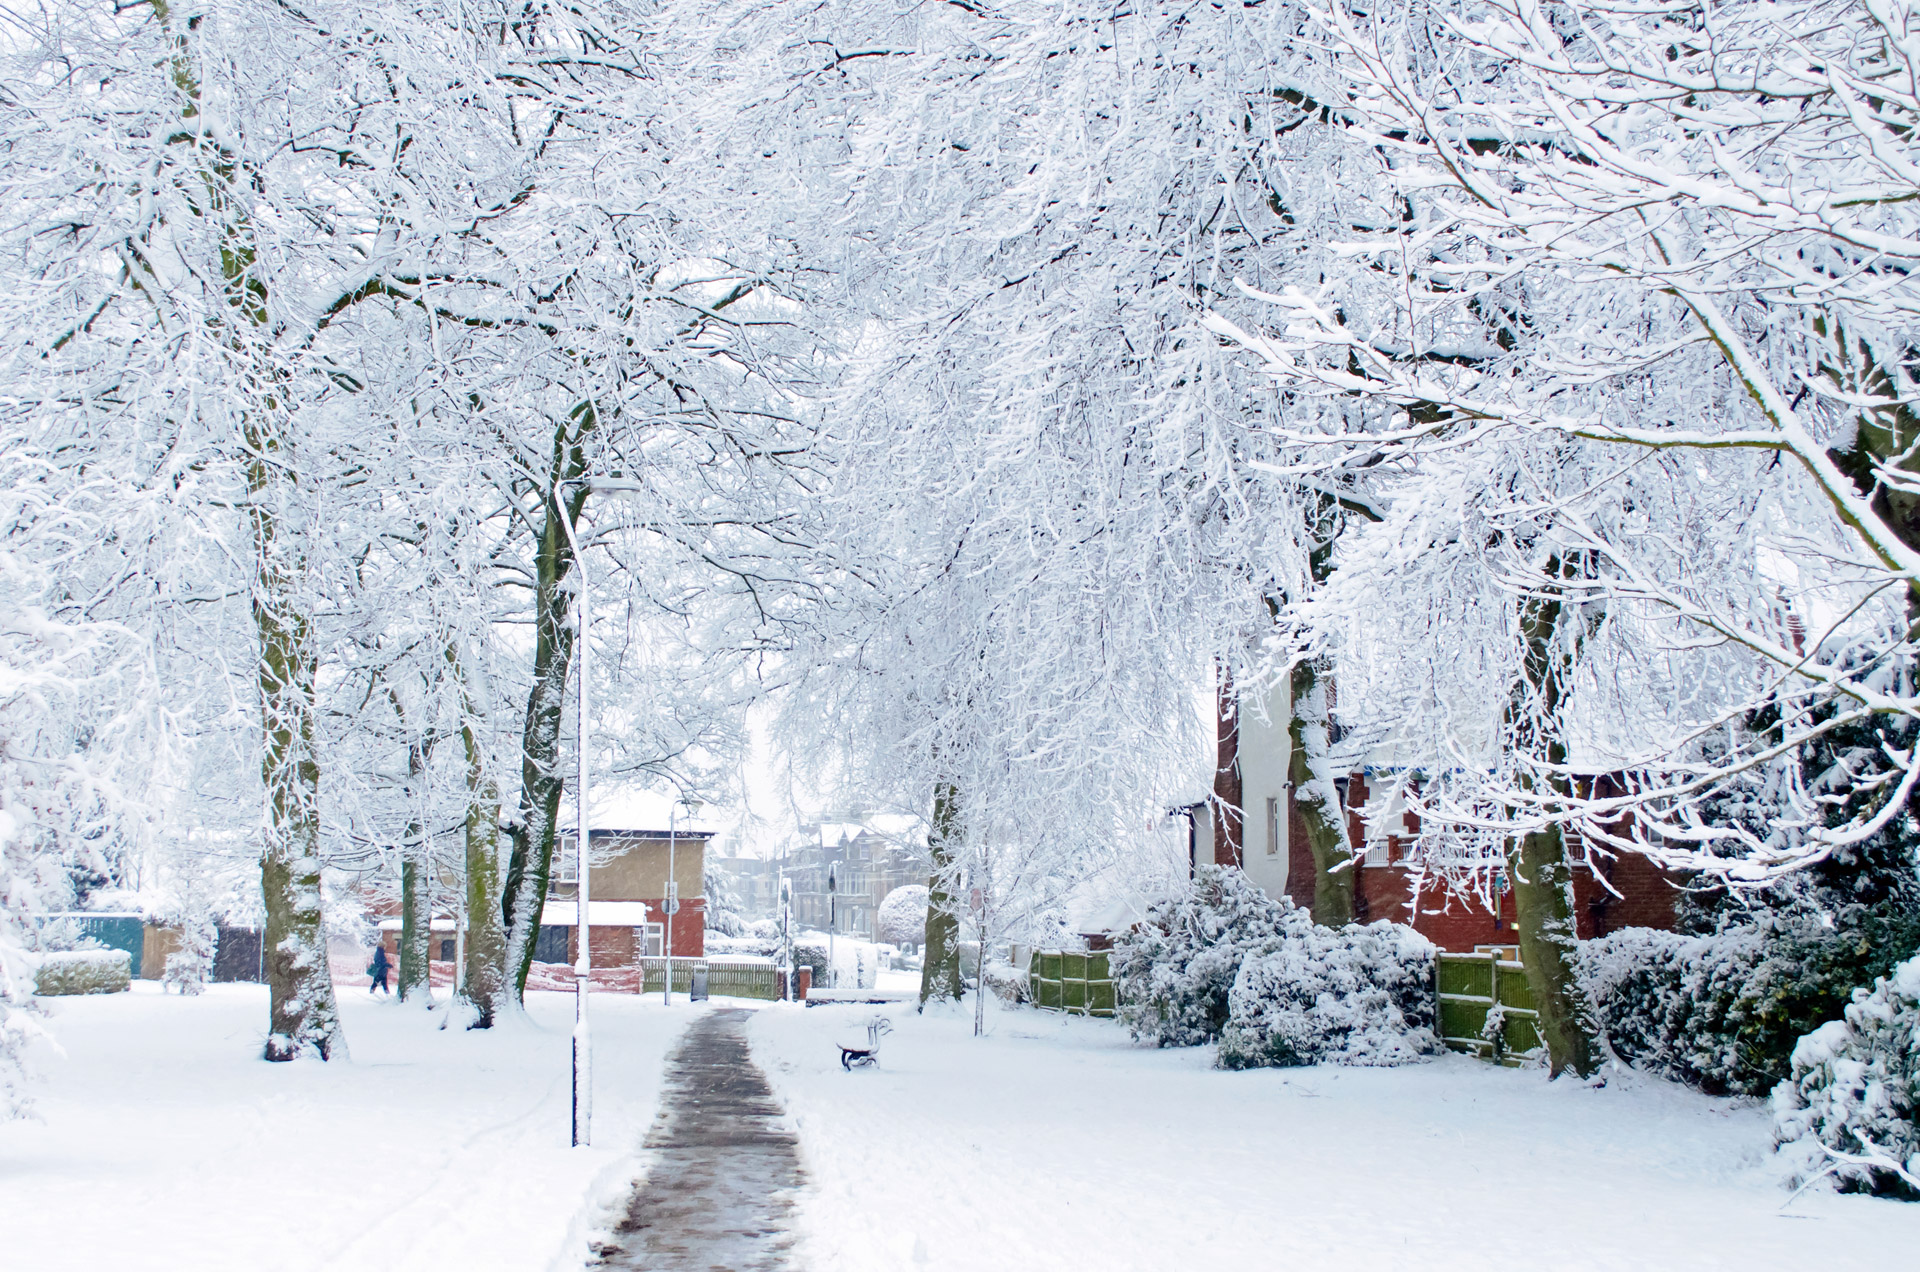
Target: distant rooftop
(647,812)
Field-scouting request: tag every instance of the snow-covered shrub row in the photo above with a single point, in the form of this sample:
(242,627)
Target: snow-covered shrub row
(83,972)
(1227,961)
(1173,971)
(1353,995)
(1851,1108)
(1723,1011)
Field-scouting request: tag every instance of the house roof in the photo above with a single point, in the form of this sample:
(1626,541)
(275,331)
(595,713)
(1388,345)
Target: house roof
(649,813)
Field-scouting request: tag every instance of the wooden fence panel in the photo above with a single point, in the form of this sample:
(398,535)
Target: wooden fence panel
(1486,1006)
(1071,981)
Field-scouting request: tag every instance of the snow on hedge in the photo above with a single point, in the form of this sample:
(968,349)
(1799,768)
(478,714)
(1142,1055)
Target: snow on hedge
(1226,961)
(1851,1110)
(83,972)
(1355,995)
(1173,971)
(1673,1004)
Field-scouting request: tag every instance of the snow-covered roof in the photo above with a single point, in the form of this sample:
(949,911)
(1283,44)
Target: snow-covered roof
(652,812)
(1116,915)
(438,925)
(601,913)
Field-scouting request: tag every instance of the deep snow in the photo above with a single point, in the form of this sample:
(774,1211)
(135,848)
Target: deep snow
(1054,1143)
(166,1143)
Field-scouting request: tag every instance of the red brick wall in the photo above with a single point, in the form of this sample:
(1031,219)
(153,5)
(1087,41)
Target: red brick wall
(1636,892)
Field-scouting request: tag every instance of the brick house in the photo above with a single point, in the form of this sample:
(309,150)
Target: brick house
(1257,826)
(629,893)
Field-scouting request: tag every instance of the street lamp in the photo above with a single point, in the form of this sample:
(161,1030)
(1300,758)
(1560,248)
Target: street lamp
(583,963)
(672,904)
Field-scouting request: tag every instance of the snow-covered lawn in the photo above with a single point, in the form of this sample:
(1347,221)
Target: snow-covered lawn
(1055,1144)
(166,1143)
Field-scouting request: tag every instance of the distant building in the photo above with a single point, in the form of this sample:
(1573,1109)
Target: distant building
(628,896)
(862,864)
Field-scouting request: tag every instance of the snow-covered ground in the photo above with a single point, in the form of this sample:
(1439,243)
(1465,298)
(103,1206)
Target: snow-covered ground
(166,1143)
(1055,1144)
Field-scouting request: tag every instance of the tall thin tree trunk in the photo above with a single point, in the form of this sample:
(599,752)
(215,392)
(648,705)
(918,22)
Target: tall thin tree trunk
(1310,770)
(302,1013)
(485,980)
(416,913)
(541,783)
(1537,866)
(940,967)
(483,983)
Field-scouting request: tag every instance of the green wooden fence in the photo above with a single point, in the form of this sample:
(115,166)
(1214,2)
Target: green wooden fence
(1071,981)
(1473,988)
(735,980)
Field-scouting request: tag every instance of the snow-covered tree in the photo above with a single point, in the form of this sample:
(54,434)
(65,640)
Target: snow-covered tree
(1678,236)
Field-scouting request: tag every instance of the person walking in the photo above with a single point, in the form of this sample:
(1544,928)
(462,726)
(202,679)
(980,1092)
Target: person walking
(378,969)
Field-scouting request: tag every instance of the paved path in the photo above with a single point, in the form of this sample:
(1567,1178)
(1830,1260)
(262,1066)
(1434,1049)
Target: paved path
(719,1193)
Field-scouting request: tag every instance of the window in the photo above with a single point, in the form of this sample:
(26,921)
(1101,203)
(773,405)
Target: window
(446,949)
(652,939)
(551,945)
(1273,825)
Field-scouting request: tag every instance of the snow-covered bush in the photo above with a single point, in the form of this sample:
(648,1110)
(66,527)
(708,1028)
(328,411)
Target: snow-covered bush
(1173,971)
(902,918)
(811,951)
(83,972)
(1725,1010)
(752,943)
(1851,1108)
(1673,1004)
(1007,982)
(1353,995)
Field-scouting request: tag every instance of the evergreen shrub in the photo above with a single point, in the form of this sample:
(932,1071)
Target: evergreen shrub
(1172,972)
(1850,1109)
(1353,995)
(1225,961)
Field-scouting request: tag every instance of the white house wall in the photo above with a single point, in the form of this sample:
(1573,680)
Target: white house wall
(1265,750)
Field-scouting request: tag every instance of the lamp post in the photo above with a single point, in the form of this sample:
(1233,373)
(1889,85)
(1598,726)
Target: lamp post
(672,904)
(833,921)
(583,963)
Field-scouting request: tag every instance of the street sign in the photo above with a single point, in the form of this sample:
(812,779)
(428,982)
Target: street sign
(673,897)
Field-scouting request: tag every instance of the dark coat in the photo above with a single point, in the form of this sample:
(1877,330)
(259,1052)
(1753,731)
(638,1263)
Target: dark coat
(380,963)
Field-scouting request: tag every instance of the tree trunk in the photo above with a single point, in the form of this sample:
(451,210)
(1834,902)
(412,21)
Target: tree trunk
(1229,792)
(416,912)
(541,782)
(302,1014)
(940,967)
(1542,882)
(1311,773)
(1537,866)
(483,980)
